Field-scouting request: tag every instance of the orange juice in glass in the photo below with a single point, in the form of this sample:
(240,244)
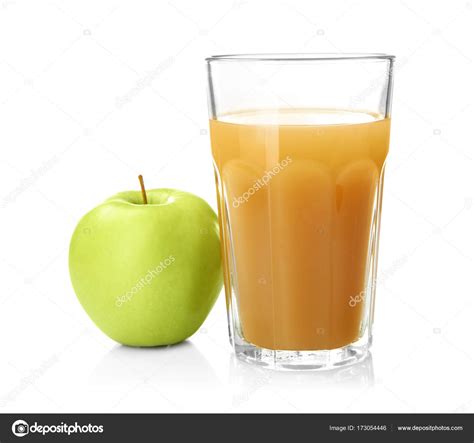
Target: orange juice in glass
(299,144)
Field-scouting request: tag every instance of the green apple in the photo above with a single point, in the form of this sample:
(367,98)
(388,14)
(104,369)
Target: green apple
(147,274)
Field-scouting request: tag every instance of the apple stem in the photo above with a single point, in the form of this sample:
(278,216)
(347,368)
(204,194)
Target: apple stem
(142,185)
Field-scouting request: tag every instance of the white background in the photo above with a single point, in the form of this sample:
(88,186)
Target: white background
(93,93)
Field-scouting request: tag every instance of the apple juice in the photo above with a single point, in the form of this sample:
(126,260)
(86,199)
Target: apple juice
(298,196)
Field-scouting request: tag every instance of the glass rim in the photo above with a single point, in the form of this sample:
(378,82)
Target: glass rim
(298,57)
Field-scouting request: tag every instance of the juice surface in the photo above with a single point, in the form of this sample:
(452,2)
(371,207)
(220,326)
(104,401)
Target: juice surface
(298,192)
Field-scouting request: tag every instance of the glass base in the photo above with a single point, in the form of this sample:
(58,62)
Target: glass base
(303,360)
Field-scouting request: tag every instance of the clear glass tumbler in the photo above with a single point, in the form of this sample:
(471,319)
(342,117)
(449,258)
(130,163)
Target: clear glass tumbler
(299,143)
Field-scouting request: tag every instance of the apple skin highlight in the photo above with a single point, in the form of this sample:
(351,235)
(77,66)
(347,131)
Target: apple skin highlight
(147,274)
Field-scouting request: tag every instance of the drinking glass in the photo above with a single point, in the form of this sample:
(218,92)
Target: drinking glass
(299,143)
